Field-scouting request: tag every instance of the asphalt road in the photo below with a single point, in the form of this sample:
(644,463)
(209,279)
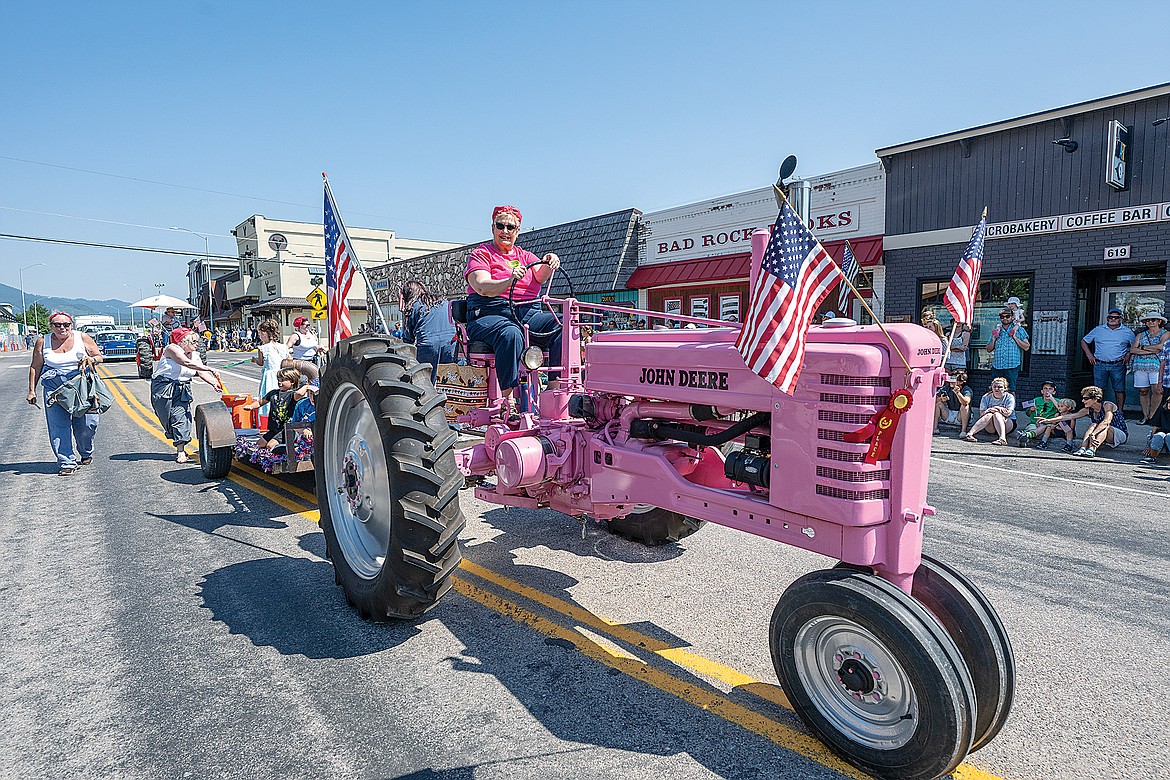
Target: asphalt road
(154,624)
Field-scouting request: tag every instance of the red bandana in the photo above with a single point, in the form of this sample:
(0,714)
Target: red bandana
(499,210)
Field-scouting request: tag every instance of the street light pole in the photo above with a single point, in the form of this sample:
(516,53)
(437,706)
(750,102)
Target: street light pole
(207,265)
(139,289)
(24,308)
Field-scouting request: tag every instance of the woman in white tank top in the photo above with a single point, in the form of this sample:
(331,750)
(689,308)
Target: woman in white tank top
(303,347)
(170,387)
(57,358)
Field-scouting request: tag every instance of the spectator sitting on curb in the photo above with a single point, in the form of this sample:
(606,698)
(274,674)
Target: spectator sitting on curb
(1043,406)
(1106,423)
(997,411)
(952,406)
(1159,441)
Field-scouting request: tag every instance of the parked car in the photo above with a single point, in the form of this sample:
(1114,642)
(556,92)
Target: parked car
(116,344)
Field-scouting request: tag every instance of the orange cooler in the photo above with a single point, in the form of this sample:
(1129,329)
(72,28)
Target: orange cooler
(241,418)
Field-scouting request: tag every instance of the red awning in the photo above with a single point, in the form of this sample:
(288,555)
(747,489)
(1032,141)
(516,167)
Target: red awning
(868,250)
(707,269)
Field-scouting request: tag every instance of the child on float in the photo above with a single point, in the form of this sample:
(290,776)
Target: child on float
(1042,407)
(281,402)
(306,408)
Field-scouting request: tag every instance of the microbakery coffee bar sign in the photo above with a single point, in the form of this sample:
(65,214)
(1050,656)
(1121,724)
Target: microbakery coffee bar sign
(1132,215)
(844,205)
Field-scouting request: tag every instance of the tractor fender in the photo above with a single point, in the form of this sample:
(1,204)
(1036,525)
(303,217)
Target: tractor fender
(217,421)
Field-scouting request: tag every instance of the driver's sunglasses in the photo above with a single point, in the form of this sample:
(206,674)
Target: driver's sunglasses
(61,324)
(502,226)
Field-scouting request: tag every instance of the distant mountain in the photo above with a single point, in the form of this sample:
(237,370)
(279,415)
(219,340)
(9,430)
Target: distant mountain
(75,306)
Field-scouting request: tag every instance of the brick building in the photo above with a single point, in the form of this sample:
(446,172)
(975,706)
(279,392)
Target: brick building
(1078,205)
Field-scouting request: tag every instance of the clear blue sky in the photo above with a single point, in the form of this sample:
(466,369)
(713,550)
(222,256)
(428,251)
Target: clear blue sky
(426,114)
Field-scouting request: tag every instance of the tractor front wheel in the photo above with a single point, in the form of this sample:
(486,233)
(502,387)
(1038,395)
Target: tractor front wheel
(874,675)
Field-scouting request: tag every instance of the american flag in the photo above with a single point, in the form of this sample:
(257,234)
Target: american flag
(849,268)
(960,296)
(340,262)
(795,276)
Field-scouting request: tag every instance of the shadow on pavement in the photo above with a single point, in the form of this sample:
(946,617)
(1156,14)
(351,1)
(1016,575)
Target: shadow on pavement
(30,467)
(136,456)
(290,605)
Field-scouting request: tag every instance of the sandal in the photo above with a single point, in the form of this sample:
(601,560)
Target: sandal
(67,471)
(1000,441)
(182,457)
(969,437)
(86,461)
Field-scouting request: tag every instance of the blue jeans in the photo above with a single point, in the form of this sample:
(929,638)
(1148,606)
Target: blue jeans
(490,320)
(1109,375)
(64,429)
(435,354)
(1010,374)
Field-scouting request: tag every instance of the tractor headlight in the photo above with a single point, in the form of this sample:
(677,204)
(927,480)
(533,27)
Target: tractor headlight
(532,358)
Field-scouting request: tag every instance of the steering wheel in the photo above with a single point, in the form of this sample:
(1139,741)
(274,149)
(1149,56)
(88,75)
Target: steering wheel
(512,303)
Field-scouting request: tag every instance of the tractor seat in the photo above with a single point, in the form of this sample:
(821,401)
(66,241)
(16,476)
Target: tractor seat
(480,348)
(459,311)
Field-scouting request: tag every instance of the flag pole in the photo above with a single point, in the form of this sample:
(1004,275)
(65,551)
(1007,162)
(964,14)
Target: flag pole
(357,261)
(844,278)
(955,323)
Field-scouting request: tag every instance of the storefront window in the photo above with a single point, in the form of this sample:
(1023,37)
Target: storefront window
(992,296)
(729,308)
(672,306)
(699,307)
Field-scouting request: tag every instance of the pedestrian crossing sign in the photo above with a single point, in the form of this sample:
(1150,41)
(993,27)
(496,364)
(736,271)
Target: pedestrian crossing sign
(317,300)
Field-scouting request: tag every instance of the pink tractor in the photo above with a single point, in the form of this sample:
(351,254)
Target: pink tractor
(895,660)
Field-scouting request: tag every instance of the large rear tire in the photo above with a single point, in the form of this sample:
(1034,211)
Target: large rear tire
(145,360)
(387,484)
(653,526)
(214,462)
(873,674)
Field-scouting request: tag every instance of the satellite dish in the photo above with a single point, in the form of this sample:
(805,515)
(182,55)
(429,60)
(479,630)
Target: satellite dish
(788,166)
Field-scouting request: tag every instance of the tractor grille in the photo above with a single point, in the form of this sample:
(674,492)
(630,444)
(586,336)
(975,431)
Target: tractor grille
(831,415)
(847,457)
(853,476)
(847,403)
(855,381)
(855,400)
(852,495)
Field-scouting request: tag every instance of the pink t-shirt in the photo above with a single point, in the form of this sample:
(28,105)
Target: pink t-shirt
(488,257)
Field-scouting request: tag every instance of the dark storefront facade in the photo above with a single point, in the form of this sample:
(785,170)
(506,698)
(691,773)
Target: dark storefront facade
(1078,203)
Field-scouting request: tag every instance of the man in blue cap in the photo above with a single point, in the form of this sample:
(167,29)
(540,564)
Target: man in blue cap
(1110,354)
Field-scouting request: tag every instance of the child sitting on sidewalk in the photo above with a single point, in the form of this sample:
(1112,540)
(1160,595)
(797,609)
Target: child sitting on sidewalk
(1066,427)
(1042,407)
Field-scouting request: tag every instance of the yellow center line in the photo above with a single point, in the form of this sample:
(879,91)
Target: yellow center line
(711,701)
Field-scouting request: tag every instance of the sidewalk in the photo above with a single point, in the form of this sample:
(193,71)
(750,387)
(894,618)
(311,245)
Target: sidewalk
(1130,452)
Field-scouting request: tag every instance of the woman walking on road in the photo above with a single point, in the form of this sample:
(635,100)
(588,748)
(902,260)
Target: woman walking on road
(54,364)
(170,387)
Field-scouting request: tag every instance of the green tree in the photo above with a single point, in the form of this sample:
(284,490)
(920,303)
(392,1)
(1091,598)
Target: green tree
(38,318)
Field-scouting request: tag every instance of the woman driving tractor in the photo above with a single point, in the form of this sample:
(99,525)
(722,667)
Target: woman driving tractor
(496,270)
